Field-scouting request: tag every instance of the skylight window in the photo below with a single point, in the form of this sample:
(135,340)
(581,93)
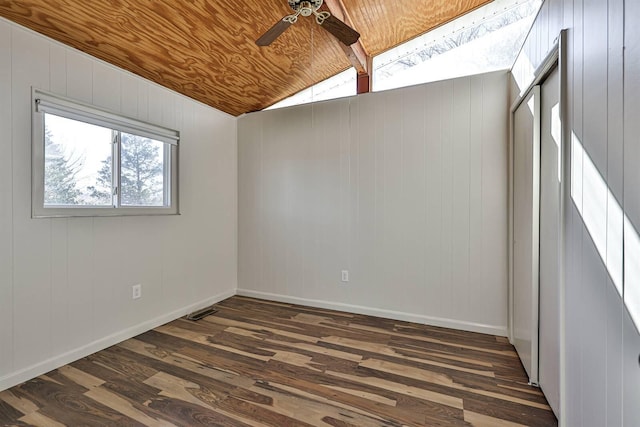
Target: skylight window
(487,39)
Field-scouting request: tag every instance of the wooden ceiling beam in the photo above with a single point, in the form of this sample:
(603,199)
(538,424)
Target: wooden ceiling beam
(356,53)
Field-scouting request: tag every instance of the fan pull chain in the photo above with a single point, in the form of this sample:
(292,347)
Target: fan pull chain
(313,71)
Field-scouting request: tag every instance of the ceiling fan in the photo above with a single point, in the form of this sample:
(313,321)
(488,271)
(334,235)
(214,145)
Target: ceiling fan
(326,20)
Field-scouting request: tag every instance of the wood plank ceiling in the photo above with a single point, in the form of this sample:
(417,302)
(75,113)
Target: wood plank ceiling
(205,49)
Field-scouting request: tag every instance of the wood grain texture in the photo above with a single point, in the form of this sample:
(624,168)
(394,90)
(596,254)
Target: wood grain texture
(206,49)
(386,24)
(258,363)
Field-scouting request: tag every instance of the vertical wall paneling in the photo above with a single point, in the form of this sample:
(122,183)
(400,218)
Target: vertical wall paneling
(574,286)
(32,239)
(615,352)
(414,209)
(631,368)
(378,184)
(249,171)
(631,107)
(345,180)
(476,219)
(266,264)
(106,87)
(391,186)
(494,198)
(282,173)
(601,341)
(615,180)
(445,251)
(59,284)
(223,201)
(177,239)
(594,211)
(128,96)
(143,101)
(461,204)
(363,135)
(169,266)
(79,76)
(105,280)
(331,242)
(65,283)
(79,324)
(6,203)
(58,69)
(435,294)
(594,330)
(631,203)
(270,177)
(595,80)
(392,214)
(615,99)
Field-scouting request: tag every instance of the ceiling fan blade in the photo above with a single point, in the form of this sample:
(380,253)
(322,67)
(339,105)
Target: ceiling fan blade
(340,30)
(280,27)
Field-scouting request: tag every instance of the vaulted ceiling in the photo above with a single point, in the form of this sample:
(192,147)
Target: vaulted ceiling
(206,49)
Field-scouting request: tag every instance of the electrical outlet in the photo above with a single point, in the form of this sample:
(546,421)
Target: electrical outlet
(136,291)
(345,275)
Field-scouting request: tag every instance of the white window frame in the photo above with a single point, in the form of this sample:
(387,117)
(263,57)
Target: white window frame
(44,102)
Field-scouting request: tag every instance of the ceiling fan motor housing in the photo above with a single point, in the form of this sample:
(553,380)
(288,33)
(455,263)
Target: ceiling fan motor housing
(305,7)
(333,25)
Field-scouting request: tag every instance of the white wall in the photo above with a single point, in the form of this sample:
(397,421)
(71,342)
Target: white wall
(65,284)
(601,342)
(406,189)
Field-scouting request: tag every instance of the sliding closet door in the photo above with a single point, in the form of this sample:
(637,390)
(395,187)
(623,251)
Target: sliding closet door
(526,208)
(550,231)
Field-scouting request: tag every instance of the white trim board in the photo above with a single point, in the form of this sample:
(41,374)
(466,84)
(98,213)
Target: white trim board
(34,371)
(86,350)
(387,314)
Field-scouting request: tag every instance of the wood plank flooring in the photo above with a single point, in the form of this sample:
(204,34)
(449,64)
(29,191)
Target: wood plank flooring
(258,363)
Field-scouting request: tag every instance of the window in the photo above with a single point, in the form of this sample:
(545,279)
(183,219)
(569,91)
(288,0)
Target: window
(339,86)
(484,40)
(90,162)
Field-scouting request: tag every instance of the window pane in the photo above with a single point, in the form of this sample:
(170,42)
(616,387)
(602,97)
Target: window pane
(339,86)
(78,166)
(142,171)
(486,39)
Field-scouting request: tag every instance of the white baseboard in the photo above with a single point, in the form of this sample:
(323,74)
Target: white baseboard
(387,314)
(55,362)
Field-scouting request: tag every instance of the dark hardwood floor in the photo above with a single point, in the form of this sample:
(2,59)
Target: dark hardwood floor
(257,363)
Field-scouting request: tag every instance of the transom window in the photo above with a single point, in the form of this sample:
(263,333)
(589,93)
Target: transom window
(89,162)
(484,40)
